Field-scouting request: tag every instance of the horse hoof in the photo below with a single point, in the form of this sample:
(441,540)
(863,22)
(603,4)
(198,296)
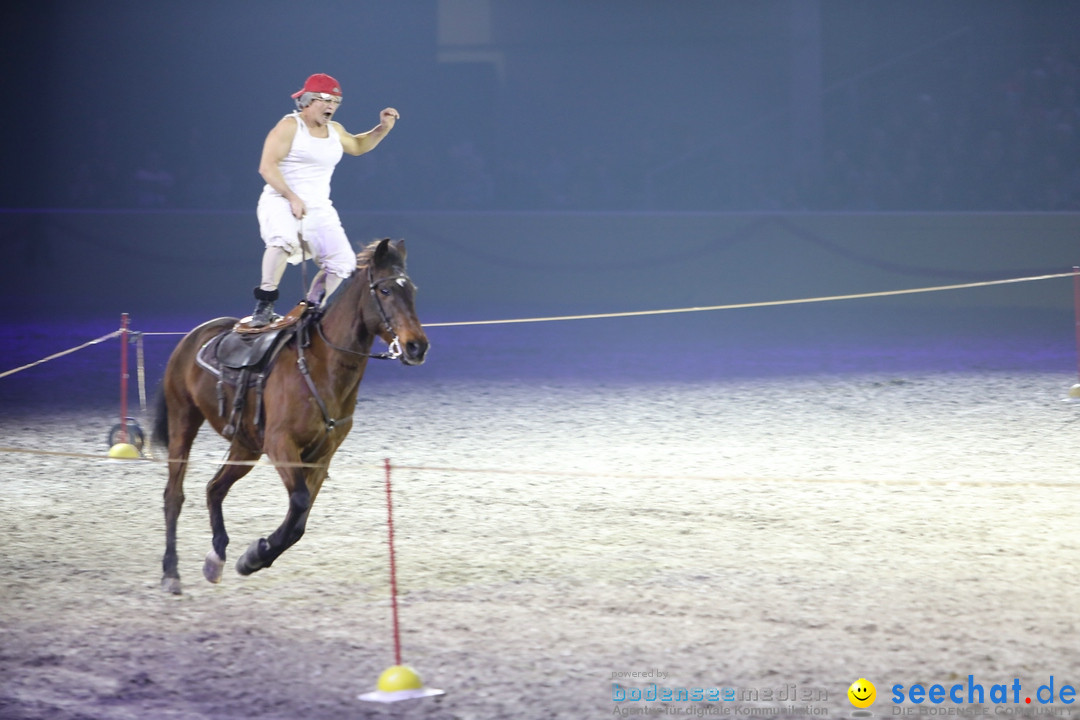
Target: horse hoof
(212,566)
(251,560)
(171,585)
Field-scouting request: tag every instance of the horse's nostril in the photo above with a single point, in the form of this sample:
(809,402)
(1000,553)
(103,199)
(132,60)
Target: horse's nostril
(415,349)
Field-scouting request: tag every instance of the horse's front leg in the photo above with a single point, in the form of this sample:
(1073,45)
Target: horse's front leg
(235,468)
(263,552)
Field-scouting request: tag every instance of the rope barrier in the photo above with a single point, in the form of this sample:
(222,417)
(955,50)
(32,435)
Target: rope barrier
(159,461)
(533,472)
(114,333)
(765,303)
(635,313)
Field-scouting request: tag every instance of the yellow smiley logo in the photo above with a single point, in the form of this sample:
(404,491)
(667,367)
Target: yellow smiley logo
(862,693)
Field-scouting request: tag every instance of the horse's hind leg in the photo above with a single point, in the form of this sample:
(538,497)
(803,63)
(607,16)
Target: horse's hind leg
(181,435)
(235,468)
(174,501)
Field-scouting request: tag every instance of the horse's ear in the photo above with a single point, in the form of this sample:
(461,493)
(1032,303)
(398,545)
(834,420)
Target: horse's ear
(385,252)
(378,258)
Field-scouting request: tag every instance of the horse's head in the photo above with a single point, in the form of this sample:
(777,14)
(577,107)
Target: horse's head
(393,296)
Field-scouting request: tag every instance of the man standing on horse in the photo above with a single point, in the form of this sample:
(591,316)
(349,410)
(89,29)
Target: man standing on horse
(295,213)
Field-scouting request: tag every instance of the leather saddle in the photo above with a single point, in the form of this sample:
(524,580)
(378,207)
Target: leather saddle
(242,359)
(235,351)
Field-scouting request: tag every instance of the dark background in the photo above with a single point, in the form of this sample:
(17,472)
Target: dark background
(556,156)
(554,104)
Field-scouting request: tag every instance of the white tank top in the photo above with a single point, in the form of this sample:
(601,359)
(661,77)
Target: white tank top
(310,164)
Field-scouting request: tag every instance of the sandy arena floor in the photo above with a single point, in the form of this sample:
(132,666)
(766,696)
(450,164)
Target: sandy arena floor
(738,522)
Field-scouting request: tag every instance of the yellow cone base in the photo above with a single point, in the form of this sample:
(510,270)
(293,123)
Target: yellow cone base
(124,451)
(397,683)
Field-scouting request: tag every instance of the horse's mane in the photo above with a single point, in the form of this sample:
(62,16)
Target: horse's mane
(364,257)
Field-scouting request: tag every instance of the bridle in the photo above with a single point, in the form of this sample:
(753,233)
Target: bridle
(393,350)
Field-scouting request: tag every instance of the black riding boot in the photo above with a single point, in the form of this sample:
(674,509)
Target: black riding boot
(264,308)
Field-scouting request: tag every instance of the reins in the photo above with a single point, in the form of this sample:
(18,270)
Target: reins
(393,352)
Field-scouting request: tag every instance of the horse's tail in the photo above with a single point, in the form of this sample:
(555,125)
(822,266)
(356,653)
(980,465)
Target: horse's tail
(160,434)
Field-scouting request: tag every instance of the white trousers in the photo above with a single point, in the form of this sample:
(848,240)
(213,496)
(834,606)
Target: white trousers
(320,229)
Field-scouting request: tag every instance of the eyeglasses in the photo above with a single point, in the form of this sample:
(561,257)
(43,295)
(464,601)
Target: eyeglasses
(328,98)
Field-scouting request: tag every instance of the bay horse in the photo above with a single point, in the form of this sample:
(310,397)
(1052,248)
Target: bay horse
(308,403)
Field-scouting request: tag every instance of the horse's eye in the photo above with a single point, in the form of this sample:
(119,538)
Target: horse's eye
(384,291)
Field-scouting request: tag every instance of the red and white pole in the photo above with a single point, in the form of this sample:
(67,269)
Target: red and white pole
(393,566)
(122,436)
